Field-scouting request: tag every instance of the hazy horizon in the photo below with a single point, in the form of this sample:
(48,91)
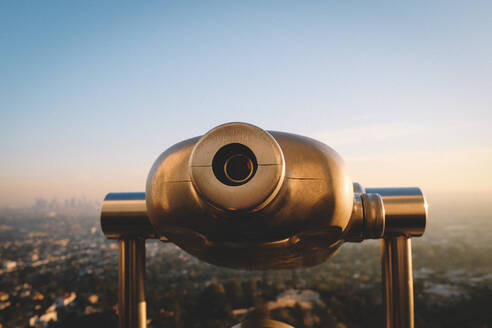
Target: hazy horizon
(91,94)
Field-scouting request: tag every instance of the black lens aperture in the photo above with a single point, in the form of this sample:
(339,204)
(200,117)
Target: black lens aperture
(234,164)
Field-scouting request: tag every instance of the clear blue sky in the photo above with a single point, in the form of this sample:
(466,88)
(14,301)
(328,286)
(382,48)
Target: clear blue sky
(91,92)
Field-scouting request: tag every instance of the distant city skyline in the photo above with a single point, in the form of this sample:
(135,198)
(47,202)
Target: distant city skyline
(92,93)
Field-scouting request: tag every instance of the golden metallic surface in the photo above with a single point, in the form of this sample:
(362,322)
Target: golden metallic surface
(358,188)
(294,208)
(132,308)
(396,260)
(125,214)
(313,203)
(355,231)
(255,194)
(262,323)
(374,216)
(405,210)
(303,194)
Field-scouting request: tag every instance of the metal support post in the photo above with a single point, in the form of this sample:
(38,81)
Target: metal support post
(132,307)
(398,281)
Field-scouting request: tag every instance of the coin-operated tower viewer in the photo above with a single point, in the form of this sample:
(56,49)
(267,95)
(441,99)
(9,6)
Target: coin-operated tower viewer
(246,198)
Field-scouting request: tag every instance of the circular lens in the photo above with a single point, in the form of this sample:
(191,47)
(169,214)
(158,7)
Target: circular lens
(234,164)
(238,168)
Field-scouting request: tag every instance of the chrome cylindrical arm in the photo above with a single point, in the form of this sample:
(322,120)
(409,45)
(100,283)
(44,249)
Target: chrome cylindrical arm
(404,214)
(396,261)
(405,210)
(125,215)
(385,212)
(132,307)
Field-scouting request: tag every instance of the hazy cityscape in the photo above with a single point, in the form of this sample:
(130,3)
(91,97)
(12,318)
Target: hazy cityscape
(58,270)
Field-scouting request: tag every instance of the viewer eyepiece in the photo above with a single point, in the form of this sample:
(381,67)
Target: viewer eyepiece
(234,164)
(238,168)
